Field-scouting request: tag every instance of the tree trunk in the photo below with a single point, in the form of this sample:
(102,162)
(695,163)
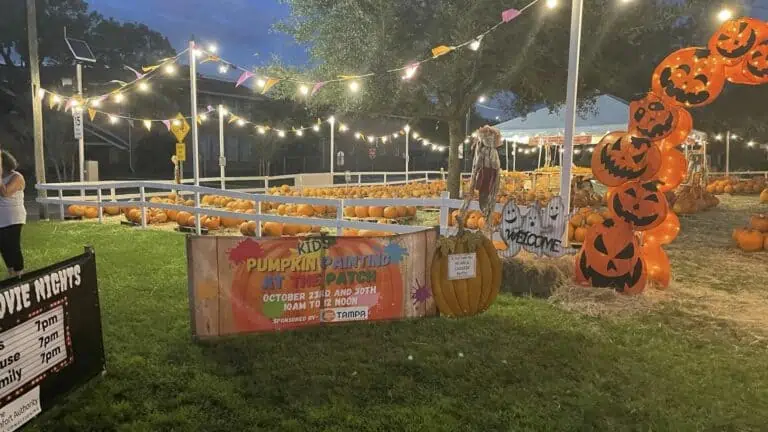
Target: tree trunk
(454,165)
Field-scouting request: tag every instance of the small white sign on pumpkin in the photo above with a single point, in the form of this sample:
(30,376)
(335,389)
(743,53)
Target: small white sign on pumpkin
(462,266)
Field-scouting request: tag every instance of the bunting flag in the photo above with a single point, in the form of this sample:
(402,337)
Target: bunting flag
(199,119)
(147,69)
(232,118)
(167,124)
(441,50)
(316,87)
(139,75)
(243,78)
(509,14)
(122,83)
(148,124)
(69,104)
(269,84)
(91,113)
(210,57)
(52,102)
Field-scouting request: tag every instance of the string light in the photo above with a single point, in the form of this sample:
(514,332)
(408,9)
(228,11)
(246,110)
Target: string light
(112,119)
(299,132)
(177,122)
(331,119)
(751,144)
(261,83)
(394,135)
(415,135)
(281,133)
(482,99)
(724,15)
(41,93)
(261,130)
(410,71)
(197,52)
(425,142)
(119,98)
(203,117)
(170,69)
(212,48)
(56,99)
(316,128)
(475,44)
(551,4)
(343,127)
(224,110)
(304,90)
(240,122)
(354,86)
(147,124)
(384,139)
(143,86)
(358,135)
(223,69)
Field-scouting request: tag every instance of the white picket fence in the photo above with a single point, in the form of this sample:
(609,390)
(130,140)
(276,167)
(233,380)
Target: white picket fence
(137,194)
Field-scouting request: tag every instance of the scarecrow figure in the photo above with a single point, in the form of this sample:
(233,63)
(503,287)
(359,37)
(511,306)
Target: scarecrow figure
(486,172)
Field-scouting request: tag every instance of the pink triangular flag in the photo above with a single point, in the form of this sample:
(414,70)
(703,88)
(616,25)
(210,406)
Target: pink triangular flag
(167,124)
(509,14)
(316,87)
(243,78)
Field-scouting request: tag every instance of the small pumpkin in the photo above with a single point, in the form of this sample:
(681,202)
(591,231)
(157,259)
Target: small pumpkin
(691,77)
(759,222)
(764,196)
(750,241)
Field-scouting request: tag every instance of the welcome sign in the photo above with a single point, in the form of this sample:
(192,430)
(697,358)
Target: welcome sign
(50,337)
(245,285)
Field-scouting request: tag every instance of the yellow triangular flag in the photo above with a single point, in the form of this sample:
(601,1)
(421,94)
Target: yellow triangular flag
(348,77)
(441,50)
(269,84)
(233,118)
(52,101)
(148,124)
(199,120)
(91,113)
(150,68)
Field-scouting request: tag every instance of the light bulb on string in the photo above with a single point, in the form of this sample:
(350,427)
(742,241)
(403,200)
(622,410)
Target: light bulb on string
(482,99)
(384,139)
(415,135)
(551,4)
(212,48)
(304,90)
(261,83)
(343,127)
(358,135)
(112,119)
(119,98)
(425,142)
(316,128)
(299,132)
(434,146)
(354,86)
(96,103)
(41,93)
(724,15)
(240,122)
(751,144)
(261,130)
(371,139)
(223,68)
(410,71)
(475,44)
(281,133)
(177,123)
(394,135)
(203,117)
(56,99)
(224,111)
(169,69)
(143,86)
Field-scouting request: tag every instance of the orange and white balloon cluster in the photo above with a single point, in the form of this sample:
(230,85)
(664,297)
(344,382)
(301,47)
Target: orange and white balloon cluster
(640,165)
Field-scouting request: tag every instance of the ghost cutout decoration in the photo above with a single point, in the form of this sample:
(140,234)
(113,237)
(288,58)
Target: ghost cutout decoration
(510,226)
(539,231)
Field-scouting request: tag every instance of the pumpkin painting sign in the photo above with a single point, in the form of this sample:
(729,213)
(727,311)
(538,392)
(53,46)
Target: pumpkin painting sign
(274,284)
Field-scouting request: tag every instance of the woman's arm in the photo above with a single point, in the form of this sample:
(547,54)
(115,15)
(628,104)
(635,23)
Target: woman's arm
(16,184)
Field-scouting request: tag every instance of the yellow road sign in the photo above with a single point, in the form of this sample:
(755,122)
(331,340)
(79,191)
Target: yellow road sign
(179,127)
(181,152)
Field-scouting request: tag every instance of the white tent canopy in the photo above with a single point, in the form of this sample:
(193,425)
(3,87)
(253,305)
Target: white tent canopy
(544,127)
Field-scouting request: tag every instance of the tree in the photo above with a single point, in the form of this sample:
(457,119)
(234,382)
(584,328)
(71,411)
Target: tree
(528,56)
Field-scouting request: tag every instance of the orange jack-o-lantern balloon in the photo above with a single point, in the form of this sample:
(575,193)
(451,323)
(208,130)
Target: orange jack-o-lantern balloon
(650,117)
(674,168)
(610,258)
(656,264)
(735,38)
(665,233)
(620,157)
(690,77)
(754,69)
(639,204)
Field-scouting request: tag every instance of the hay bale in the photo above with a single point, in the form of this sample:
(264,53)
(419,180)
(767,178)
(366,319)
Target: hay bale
(534,276)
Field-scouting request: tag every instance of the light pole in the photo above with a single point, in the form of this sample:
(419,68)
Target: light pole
(222,158)
(332,121)
(728,137)
(193,109)
(407,150)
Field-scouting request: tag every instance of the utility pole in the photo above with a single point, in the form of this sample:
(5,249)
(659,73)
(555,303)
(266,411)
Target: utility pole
(37,105)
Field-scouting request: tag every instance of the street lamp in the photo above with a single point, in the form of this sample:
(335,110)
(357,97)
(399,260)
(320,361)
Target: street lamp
(724,15)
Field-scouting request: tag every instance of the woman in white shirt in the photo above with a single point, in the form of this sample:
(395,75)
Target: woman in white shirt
(13,215)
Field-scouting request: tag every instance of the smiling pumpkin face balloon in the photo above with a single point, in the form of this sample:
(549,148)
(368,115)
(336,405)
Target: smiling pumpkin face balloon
(639,204)
(611,258)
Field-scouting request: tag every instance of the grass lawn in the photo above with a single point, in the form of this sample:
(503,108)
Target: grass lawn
(674,361)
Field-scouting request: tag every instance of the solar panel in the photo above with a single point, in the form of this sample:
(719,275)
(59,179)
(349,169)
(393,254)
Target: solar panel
(80,50)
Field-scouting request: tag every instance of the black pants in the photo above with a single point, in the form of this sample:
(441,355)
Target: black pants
(10,247)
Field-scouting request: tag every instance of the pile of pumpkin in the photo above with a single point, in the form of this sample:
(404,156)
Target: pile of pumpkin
(91,212)
(411,190)
(692,199)
(735,186)
(753,238)
(585,218)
